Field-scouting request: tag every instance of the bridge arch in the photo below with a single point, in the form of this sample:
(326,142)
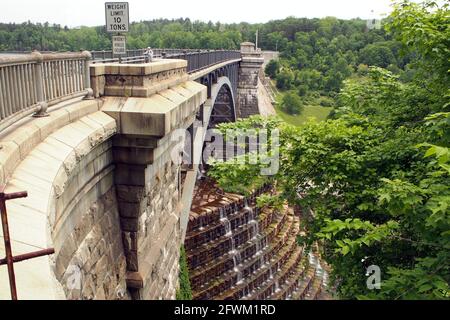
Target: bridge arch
(222,103)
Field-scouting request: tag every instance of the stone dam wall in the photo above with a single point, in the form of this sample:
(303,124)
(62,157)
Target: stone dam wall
(237,251)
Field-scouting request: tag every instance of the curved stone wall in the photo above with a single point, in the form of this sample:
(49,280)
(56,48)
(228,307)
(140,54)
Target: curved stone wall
(67,169)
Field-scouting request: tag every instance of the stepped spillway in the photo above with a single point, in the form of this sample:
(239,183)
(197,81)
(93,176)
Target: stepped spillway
(237,251)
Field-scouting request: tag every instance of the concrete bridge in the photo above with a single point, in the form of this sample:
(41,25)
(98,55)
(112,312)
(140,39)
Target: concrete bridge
(99,161)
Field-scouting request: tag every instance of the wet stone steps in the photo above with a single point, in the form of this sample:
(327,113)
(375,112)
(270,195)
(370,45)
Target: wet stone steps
(262,271)
(217,245)
(217,252)
(266,252)
(238,251)
(250,267)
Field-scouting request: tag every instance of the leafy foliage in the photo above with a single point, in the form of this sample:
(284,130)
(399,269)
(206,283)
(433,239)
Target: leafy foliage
(270,201)
(229,174)
(272,68)
(292,103)
(184,291)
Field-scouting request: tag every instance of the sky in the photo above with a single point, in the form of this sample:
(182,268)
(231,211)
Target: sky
(75,13)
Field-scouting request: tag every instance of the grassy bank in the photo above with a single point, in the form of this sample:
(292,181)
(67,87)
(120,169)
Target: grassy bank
(317,112)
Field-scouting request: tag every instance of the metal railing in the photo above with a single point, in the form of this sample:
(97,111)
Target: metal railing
(197,59)
(204,59)
(9,260)
(29,83)
(107,55)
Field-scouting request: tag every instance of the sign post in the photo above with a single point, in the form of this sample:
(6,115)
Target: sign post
(117,22)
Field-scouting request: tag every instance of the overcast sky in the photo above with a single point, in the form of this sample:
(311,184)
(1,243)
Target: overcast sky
(91,12)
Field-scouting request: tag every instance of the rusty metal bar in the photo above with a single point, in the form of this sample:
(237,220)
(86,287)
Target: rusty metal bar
(14,195)
(10,259)
(6,238)
(28,256)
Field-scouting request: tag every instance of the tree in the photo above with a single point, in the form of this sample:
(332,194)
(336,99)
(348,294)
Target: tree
(377,54)
(272,68)
(292,103)
(285,79)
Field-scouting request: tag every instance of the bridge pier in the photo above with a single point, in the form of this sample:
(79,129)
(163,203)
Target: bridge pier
(247,91)
(149,102)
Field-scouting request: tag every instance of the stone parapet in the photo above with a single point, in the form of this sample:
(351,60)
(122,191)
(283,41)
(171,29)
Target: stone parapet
(158,115)
(137,80)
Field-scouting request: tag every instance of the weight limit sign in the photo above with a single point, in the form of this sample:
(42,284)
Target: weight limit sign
(117,17)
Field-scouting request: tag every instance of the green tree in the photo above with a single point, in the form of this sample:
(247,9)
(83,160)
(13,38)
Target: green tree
(285,79)
(292,103)
(272,68)
(377,54)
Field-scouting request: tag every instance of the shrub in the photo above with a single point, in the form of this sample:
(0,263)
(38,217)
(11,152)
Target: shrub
(325,101)
(272,68)
(184,291)
(292,103)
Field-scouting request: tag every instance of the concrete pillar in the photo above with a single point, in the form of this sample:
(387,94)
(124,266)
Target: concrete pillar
(247,91)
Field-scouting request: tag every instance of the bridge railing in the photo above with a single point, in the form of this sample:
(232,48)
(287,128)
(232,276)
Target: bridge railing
(133,54)
(204,59)
(29,83)
(197,59)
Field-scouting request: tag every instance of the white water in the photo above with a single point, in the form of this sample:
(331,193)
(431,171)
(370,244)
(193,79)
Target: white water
(277,286)
(252,220)
(233,252)
(255,231)
(319,270)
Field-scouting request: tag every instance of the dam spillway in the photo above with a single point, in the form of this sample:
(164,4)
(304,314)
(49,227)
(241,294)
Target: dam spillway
(237,251)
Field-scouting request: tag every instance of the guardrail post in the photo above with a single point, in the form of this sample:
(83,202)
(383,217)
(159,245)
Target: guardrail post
(39,85)
(87,76)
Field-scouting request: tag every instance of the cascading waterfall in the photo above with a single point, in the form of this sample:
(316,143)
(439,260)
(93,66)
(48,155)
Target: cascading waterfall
(252,219)
(226,223)
(258,254)
(255,230)
(320,271)
(277,286)
(233,252)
